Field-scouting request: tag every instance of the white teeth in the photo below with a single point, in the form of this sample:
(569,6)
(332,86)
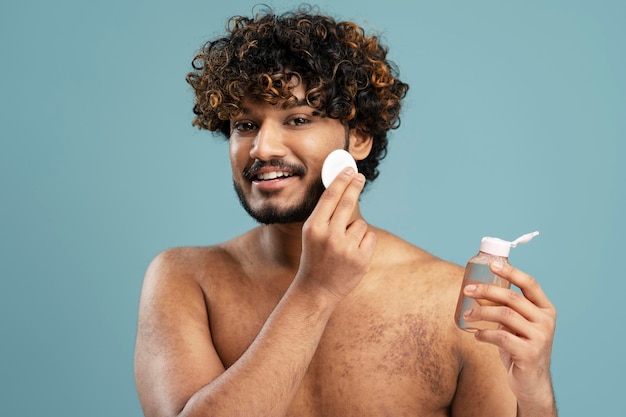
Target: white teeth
(273,175)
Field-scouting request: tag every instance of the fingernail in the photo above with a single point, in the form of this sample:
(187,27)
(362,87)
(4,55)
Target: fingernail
(348,171)
(470,288)
(497,264)
(467,313)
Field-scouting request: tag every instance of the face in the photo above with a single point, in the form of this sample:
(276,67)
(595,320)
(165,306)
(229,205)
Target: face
(277,155)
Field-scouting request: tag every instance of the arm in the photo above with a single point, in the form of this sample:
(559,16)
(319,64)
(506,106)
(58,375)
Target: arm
(178,371)
(524,339)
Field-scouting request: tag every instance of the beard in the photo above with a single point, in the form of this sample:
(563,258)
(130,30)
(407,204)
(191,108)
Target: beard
(270,213)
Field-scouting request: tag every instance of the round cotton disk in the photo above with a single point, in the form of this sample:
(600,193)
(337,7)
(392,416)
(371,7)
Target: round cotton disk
(335,162)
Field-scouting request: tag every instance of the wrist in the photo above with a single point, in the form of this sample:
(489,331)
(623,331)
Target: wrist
(315,297)
(543,407)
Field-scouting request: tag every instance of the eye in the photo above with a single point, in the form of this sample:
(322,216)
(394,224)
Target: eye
(298,121)
(244,126)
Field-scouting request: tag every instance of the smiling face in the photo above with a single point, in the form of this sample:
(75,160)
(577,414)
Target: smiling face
(276,156)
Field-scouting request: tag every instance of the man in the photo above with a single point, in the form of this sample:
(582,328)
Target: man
(315,312)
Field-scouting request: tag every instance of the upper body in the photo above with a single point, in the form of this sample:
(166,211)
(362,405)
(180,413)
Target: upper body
(315,312)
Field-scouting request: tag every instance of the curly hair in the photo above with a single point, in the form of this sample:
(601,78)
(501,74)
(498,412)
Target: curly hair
(346,74)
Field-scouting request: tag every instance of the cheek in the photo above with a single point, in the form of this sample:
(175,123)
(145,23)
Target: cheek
(238,155)
(317,166)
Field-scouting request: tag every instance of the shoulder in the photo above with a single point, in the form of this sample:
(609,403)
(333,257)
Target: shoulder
(398,254)
(178,281)
(200,261)
(188,269)
(417,280)
(186,259)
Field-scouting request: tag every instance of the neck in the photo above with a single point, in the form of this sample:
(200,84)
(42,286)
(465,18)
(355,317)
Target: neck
(281,244)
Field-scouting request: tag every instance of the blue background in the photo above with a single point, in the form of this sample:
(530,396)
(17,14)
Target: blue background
(515,121)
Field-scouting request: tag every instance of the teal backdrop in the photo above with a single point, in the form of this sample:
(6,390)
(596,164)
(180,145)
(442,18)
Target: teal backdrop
(515,121)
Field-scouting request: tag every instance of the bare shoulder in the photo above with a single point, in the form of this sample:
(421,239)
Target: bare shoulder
(175,288)
(191,265)
(186,261)
(415,263)
(174,284)
(418,282)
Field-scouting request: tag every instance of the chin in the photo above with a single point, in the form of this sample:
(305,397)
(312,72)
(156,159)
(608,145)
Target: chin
(270,213)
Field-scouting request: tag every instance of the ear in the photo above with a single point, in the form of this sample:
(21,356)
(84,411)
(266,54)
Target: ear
(360,144)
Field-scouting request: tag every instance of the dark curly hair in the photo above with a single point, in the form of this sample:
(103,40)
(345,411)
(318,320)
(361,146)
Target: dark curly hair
(346,74)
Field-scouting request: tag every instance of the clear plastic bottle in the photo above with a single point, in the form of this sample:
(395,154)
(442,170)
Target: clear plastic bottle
(477,271)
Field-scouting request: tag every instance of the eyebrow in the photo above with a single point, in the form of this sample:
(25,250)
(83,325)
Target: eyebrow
(298,103)
(291,105)
(303,103)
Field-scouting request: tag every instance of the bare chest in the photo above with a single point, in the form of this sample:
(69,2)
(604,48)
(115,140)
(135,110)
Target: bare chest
(371,365)
(379,355)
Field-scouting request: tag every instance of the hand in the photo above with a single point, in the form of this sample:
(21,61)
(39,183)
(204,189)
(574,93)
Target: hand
(525,335)
(336,247)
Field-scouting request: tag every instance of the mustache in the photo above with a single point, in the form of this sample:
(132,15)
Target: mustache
(257,165)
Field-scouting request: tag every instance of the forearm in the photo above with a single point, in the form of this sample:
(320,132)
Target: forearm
(266,378)
(546,411)
(545,407)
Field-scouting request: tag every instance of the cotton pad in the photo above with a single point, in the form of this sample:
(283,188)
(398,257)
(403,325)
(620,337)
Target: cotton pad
(335,162)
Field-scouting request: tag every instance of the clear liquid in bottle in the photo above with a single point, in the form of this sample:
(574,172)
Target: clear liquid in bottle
(477,273)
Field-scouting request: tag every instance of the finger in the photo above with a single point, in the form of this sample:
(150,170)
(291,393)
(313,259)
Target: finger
(504,339)
(526,283)
(368,243)
(357,229)
(508,319)
(344,210)
(365,239)
(362,240)
(524,353)
(331,196)
(491,295)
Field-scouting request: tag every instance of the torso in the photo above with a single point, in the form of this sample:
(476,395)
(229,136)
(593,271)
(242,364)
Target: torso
(393,337)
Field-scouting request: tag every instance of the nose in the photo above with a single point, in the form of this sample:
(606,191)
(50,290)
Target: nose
(268,143)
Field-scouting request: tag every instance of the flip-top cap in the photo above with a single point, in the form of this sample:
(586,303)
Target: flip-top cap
(495,246)
(499,247)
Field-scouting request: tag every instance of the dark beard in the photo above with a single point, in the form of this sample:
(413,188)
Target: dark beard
(295,214)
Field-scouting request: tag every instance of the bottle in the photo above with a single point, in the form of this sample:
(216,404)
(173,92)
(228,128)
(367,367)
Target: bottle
(492,250)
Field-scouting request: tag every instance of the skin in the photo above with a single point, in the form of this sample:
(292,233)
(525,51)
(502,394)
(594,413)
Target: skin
(333,316)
